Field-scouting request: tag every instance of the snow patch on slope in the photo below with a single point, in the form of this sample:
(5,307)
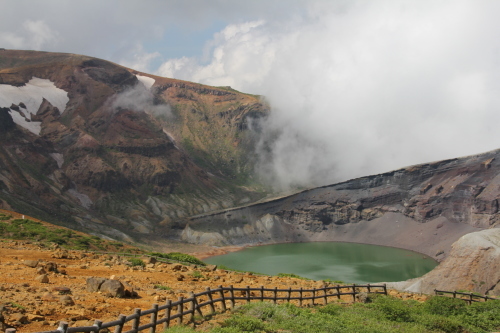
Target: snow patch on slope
(146,80)
(59,158)
(32,95)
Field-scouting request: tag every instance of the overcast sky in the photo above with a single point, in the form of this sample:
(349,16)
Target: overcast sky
(356,87)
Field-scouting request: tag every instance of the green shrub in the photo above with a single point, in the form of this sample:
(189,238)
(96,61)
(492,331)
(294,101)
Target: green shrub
(291,275)
(442,323)
(161,287)
(482,315)
(331,309)
(197,274)
(136,262)
(244,323)
(185,258)
(445,306)
(393,309)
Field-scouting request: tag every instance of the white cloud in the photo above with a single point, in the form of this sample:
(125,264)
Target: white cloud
(363,87)
(138,59)
(139,99)
(34,36)
(39,34)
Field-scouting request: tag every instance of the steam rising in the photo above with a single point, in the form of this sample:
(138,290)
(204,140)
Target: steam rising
(357,87)
(138,98)
(363,87)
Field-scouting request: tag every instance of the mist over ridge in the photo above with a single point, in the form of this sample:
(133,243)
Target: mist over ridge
(361,88)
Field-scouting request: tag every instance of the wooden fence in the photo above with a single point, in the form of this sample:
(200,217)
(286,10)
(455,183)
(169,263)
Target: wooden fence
(184,310)
(470,297)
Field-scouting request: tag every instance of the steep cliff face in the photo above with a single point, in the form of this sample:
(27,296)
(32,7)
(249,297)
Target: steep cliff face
(423,208)
(96,145)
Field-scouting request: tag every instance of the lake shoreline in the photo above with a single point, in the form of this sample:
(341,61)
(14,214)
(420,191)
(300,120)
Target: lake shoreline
(345,261)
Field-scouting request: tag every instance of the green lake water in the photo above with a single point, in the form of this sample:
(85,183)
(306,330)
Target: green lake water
(348,262)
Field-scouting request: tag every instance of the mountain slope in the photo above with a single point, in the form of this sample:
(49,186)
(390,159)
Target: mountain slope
(423,208)
(92,144)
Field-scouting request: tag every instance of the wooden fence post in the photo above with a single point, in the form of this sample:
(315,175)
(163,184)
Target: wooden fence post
(180,310)
(63,327)
(470,298)
(354,292)
(338,291)
(385,289)
(191,307)
(262,293)
(212,307)
(325,296)
(369,291)
(168,309)
(289,295)
(221,291)
(137,321)
(275,294)
(119,327)
(300,297)
(97,324)
(231,295)
(248,294)
(154,317)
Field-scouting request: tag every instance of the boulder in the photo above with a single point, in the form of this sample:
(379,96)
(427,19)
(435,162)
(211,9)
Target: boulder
(93,284)
(176,267)
(150,260)
(66,300)
(31,263)
(112,288)
(129,290)
(42,278)
(49,297)
(62,290)
(50,267)
(18,318)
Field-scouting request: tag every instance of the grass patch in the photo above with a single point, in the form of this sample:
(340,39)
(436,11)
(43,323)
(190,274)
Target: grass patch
(384,315)
(162,287)
(178,256)
(17,306)
(25,229)
(136,262)
(197,274)
(224,267)
(291,275)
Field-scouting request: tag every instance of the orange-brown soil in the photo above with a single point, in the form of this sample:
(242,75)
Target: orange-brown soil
(21,293)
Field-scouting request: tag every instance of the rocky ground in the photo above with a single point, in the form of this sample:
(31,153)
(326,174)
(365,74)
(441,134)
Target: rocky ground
(41,286)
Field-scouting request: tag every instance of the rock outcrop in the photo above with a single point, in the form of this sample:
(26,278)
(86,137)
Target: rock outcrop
(424,208)
(473,264)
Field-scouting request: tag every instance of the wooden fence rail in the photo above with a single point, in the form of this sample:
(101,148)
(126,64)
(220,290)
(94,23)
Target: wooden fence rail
(185,309)
(470,296)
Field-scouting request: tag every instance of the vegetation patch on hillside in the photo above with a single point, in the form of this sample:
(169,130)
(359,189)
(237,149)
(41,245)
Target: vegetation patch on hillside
(383,314)
(25,229)
(178,256)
